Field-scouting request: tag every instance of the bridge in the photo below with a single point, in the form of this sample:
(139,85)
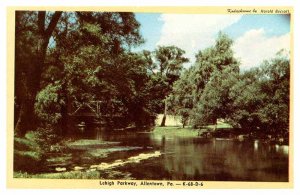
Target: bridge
(93,113)
(91,109)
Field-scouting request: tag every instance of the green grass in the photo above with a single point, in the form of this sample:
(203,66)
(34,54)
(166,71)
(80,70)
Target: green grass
(220,125)
(176,131)
(25,144)
(110,174)
(29,154)
(64,175)
(188,131)
(88,142)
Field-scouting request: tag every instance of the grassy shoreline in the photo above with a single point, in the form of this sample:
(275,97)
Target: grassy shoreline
(176,131)
(188,131)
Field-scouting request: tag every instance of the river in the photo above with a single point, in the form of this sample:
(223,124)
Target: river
(144,155)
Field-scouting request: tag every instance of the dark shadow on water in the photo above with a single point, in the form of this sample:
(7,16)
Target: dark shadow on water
(187,158)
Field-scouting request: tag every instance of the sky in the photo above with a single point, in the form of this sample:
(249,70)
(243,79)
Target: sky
(256,37)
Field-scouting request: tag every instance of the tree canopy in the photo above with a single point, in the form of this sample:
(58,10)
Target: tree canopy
(214,88)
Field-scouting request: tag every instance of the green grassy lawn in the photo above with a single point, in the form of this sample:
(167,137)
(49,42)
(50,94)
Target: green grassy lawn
(187,131)
(176,131)
(220,125)
(63,175)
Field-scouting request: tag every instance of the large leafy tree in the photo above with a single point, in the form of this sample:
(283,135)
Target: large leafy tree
(180,100)
(33,32)
(261,97)
(167,67)
(62,54)
(216,68)
(207,83)
(212,59)
(276,85)
(215,101)
(254,100)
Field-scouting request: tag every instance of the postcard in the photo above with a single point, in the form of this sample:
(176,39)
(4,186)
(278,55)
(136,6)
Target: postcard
(150,97)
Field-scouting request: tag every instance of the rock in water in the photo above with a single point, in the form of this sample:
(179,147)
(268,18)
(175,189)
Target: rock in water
(78,168)
(60,169)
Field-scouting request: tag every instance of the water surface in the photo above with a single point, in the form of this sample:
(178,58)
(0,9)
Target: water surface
(183,158)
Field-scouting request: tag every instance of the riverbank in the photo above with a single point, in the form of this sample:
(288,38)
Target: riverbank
(221,130)
(176,131)
(188,131)
(95,171)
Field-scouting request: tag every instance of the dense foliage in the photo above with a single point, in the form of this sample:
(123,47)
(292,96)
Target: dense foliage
(87,57)
(214,88)
(261,97)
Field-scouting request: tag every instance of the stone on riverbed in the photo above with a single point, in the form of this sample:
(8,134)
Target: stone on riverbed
(60,169)
(93,166)
(61,161)
(77,168)
(118,163)
(143,156)
(104,152)
(91,170)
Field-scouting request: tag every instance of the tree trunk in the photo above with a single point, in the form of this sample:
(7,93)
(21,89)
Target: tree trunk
(163,122)
(26,119)
(20,125)
(64,120)
(215,124)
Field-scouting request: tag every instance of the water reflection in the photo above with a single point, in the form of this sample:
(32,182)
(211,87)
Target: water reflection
(201,159)
(224,160)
